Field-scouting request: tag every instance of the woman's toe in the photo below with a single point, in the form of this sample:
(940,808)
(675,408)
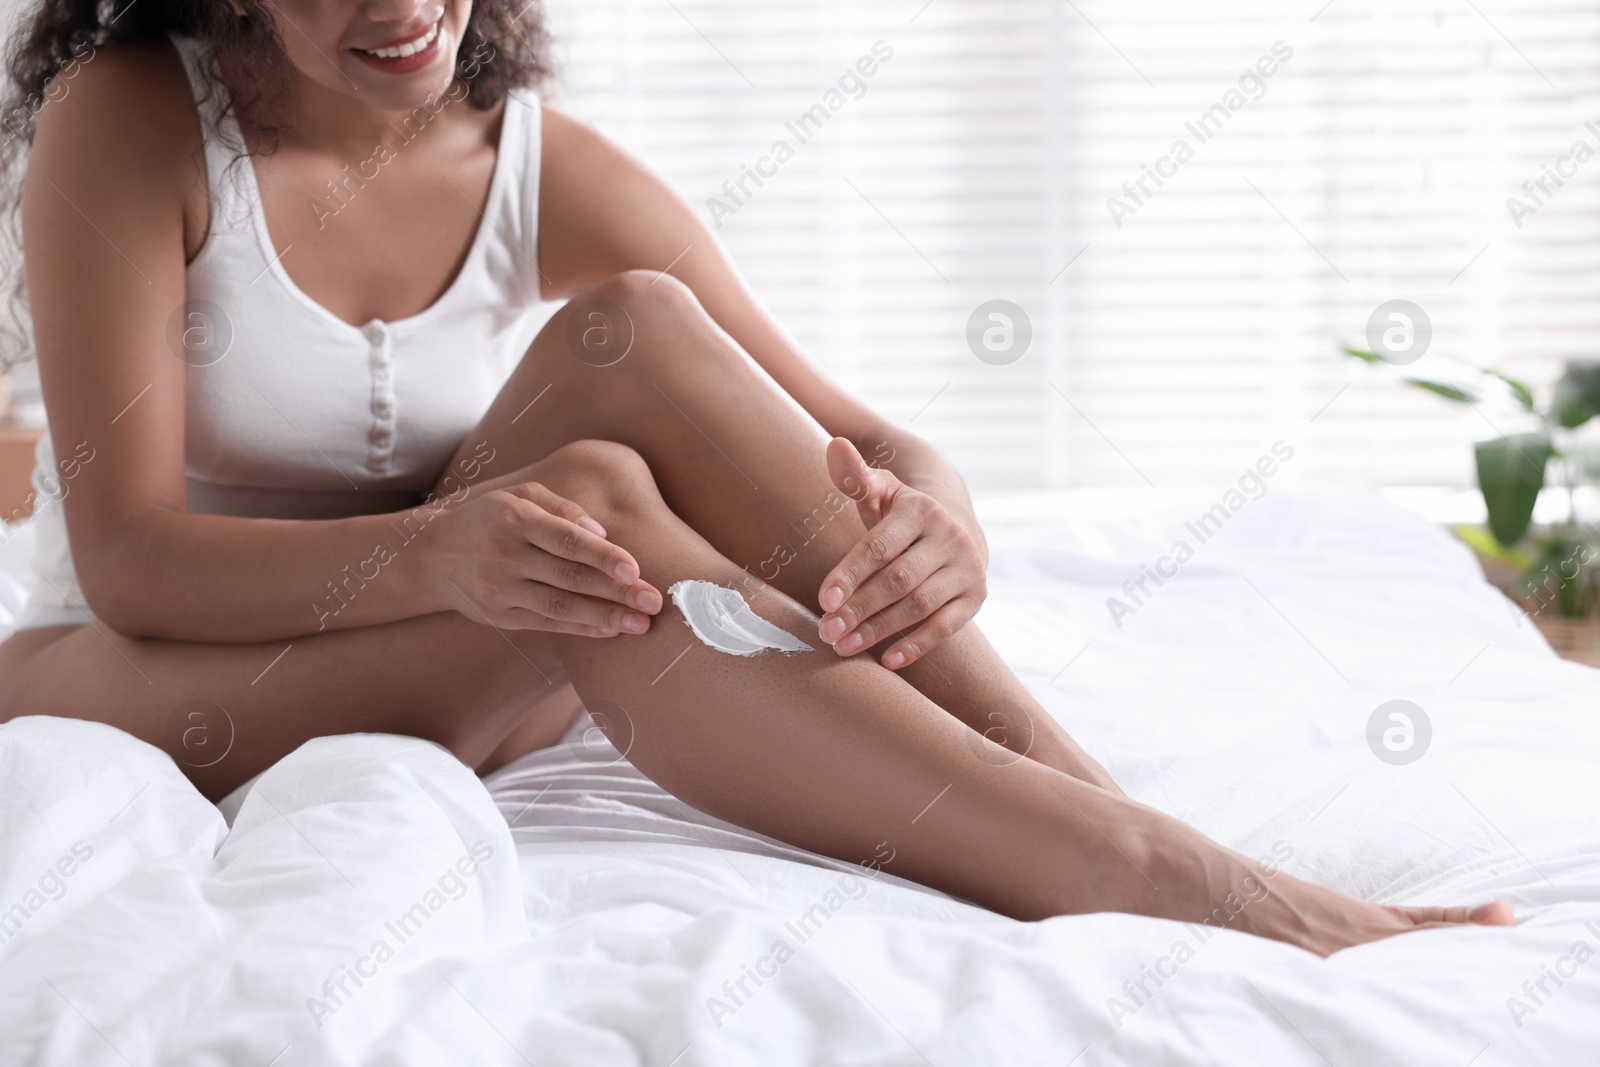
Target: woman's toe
(1494,913)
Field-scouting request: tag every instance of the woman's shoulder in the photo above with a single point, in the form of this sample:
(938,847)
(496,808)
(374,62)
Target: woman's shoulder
(144,75)
(602,210)
(121,116)
(132,97)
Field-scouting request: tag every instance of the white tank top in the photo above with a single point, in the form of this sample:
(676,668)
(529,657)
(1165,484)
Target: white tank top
(291,412)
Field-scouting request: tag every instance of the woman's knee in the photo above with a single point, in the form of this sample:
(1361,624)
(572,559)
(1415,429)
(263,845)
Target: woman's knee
(645,331)
(621,322)
(646,292)
(603,476)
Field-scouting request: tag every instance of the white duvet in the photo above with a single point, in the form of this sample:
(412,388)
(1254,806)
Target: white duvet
(374,902)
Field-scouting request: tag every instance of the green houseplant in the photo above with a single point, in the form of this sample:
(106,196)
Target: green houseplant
(1512,469)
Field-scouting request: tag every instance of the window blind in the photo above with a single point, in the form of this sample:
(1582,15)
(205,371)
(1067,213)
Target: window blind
(1178,335)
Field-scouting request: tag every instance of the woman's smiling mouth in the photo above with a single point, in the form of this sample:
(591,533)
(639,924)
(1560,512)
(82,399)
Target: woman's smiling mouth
(407,54)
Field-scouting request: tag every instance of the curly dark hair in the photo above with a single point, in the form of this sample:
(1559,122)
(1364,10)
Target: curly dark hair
(506,40)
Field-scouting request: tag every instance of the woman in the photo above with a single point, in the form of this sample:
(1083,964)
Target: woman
(264,335)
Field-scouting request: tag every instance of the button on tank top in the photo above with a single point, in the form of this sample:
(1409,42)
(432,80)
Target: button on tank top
(291,412)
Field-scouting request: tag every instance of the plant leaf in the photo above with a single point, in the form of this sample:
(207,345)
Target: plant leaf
(1448,390)
(1510,474)
(1577,394)
(1567,405)
(1362,354)
(1483,542)
(1523,394)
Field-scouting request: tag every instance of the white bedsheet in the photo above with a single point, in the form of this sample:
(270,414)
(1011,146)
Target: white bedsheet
(602,926)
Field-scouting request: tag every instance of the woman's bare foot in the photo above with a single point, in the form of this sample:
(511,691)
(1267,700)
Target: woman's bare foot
(1325,921)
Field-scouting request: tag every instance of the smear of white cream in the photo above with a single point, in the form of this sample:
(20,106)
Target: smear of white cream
(720,617)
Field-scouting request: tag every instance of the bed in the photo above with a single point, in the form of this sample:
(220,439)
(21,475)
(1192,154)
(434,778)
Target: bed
(373,902)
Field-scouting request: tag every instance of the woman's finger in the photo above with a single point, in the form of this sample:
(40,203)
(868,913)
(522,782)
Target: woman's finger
(581,578)
(930,635)
(898,618)
(889,585)
(556,504)
(525,619)
(872,488)
(565,606)
(565,538)
(883,543)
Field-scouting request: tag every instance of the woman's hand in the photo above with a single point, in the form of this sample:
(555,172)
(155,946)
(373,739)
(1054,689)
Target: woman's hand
(917,565)
(524,558)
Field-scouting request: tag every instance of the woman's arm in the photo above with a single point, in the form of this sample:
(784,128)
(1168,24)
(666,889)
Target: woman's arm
(109,217)
(602,212)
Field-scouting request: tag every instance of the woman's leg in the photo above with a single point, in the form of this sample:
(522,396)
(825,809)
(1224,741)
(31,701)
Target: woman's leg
(225,712)
(846,758)
(838,755)
(743,464)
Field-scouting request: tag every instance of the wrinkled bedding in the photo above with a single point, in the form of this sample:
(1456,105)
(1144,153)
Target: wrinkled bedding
(375,902)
